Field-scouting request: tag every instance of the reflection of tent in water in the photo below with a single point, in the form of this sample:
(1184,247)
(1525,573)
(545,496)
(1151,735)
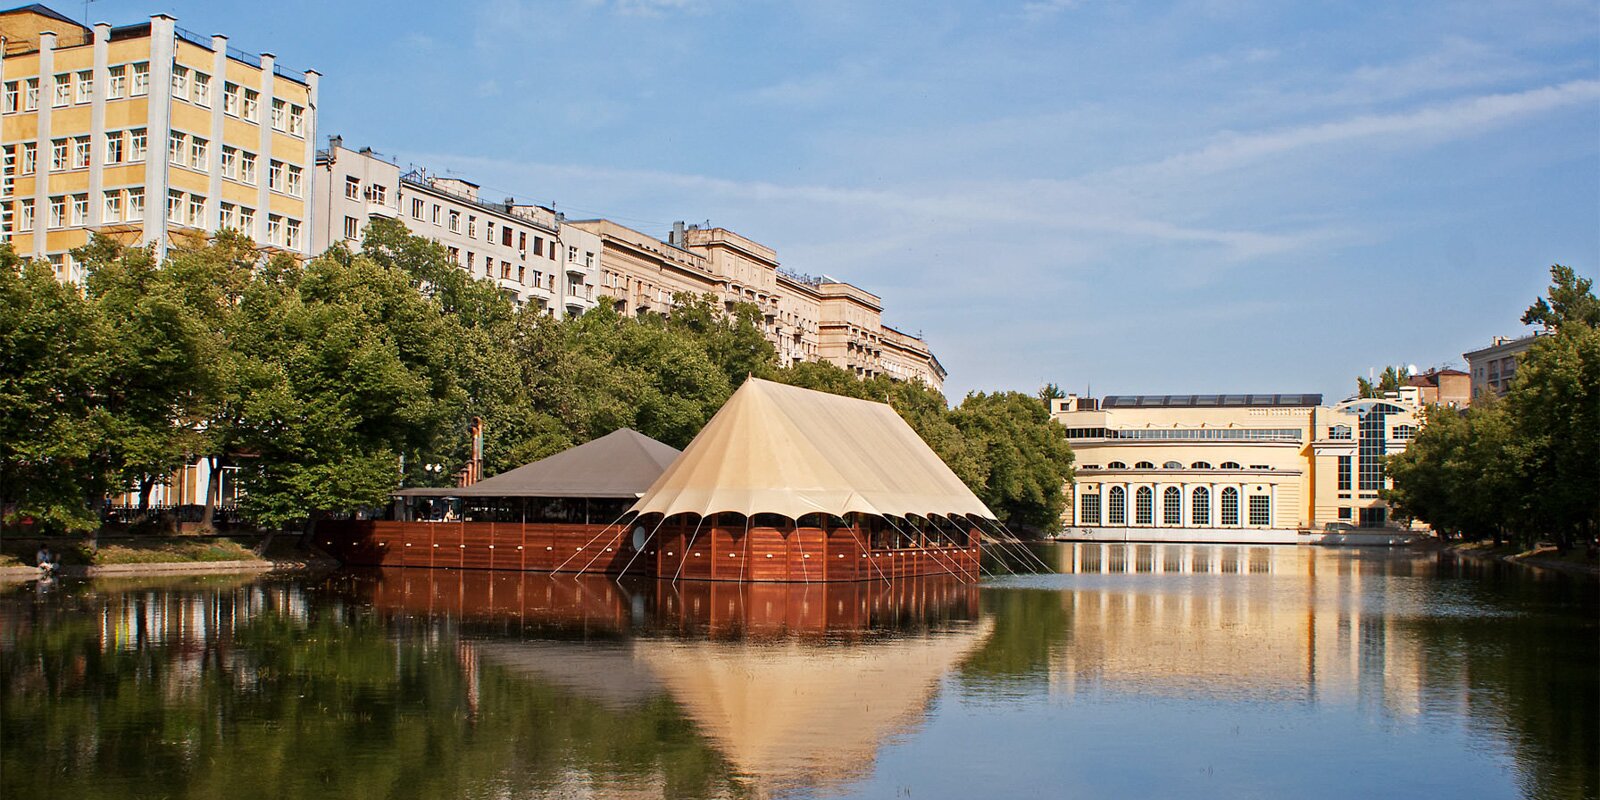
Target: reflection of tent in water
(787,714)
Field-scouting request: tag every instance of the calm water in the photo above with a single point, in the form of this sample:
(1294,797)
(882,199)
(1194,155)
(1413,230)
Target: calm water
(1138,671)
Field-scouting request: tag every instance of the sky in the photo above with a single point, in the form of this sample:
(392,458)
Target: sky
(1117,197)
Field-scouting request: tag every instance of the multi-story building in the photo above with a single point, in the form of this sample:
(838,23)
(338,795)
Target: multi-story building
(1445,387)
(806,318)
(1493,367)
(148,133)
(526,250)
(1230,467)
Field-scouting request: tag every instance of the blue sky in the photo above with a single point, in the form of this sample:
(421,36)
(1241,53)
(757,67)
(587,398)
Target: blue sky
(1210,196)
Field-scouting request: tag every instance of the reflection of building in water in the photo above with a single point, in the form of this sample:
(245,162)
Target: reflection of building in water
(600,604)
(797,685)
(1308,633)
(786,713)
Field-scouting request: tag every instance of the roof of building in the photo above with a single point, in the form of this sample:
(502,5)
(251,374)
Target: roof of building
(1503,344)
(1432,376)
(1208,400)
(621,464)
(45,11)
(777,449)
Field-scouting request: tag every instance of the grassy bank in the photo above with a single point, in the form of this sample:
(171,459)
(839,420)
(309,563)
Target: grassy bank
(1576,559)
(132,550)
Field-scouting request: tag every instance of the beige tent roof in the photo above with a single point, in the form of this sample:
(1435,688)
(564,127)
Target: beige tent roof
(621,464)
(778,449)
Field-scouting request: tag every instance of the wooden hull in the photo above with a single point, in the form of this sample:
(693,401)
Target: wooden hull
(675,551)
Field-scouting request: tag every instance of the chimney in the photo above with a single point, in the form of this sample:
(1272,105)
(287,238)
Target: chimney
(676,237)
(335,142)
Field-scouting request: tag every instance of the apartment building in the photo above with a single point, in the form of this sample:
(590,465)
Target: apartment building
(806,318)
(148,133)
(1493,367)
(1221,468)
(1446,387)
(526,250)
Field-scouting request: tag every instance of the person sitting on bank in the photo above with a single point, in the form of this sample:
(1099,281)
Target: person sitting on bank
(45,559)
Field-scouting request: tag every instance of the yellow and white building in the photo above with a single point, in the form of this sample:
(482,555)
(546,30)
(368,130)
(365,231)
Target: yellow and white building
(1231,468)
(148,133)
(806,318)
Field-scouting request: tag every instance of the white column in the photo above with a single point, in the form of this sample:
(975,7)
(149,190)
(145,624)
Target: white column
(97,124)
(307,225)
(219,89)
(41,162)
(264,146)
(158,124)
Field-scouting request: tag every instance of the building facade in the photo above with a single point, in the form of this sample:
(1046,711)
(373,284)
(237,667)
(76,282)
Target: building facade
(806,318)
(1230,467)
(148,133)
(1493,367)
(1445,387)
(525,250)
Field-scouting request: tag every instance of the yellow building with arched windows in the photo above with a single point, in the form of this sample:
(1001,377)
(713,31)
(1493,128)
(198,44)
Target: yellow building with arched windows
(1278,468)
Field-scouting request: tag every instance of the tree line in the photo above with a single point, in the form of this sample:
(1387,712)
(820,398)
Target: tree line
(1524,467)
(325,385)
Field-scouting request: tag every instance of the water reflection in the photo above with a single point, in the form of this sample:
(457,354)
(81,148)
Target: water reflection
(423,683)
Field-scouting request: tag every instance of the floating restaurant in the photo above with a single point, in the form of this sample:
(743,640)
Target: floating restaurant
(782,485)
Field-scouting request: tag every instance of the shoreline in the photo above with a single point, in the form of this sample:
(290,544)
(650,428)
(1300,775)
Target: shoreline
(276,566)
(1531,558)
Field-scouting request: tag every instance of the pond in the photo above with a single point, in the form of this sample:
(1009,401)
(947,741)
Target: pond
(1129,671)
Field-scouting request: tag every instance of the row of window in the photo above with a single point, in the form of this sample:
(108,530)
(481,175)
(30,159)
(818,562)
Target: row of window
(1400,432)
(453,221)
(69,88)
(183,208)
(1177,465)
(133,80)
(67,211)
(1188,434)
(131,146)
(1144,508)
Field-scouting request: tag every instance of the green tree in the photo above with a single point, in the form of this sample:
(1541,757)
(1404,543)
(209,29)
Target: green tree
(346,374)
(1027,461)
(1391,379)
(1571,301)
(1554,414)
(159,374)
(53,426)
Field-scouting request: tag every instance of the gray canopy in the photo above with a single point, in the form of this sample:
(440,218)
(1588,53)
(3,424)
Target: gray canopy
(621,464)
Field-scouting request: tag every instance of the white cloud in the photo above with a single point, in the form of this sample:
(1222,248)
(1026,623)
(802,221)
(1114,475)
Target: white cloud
(1044,9)
(648,8)
(1467,117)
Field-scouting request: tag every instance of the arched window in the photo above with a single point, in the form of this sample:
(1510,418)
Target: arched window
(1200,465)
(1200,508)
(1144,465)
(1144,506)
(1172,507)
(1117,506)
(1231,465)
(1116,465)
(1404,431)
(1339,432)
(1230,506)
(1172,465)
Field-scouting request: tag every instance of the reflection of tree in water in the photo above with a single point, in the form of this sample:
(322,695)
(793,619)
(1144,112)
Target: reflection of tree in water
(1530,672)
(276,698)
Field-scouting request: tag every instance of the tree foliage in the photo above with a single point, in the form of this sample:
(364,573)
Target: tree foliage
(1391,379)
(1528,465)
(325,385)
